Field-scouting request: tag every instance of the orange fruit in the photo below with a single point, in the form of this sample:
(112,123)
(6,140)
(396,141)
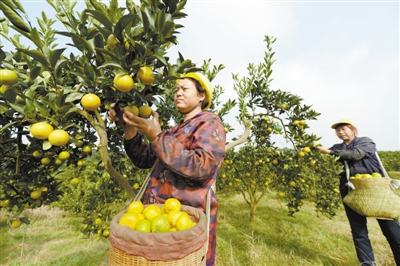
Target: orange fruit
(173,215)
(151,211)
(172,204)
(90,102)
(145,111)
(81,162)
(184,222)
(58,137)
(74,181)
(129,219)
(112,42)
(136,186)
(160,224)
(123,82)
(301,154)
(86,149)
(292,183)
(133,109)
(16,223)
(106,232)
(64,155)
(143,226)
(306,149)
(4,203)
(136,206)
(41,130)
(8,77)
(37,154)
(36,194)
(145,75)
(45,160)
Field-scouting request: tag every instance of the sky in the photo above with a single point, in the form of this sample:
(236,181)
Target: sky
(341,57)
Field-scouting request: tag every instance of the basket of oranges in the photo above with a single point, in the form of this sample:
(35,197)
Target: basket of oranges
(373,197)
(158,234)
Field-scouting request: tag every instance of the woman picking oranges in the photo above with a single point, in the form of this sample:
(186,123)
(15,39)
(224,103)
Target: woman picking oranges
(190,153)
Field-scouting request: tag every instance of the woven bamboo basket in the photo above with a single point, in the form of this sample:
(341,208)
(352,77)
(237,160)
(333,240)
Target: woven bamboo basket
(374,197)
(182,248)
(120,258)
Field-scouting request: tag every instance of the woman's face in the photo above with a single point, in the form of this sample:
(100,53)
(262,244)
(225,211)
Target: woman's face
(345,133)
(186,96)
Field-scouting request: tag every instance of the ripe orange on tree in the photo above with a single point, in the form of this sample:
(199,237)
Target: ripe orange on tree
(86,149)
(64,155)
(8,77)
(133,109)
(45,160)
(145,75)
(145,111)
(90,102)
(74,181)
(41,130)
(112,41)
(36,194)
(58,137)
(123,82)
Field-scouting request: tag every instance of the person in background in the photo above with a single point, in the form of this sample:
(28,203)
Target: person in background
(189,154)
(359,153)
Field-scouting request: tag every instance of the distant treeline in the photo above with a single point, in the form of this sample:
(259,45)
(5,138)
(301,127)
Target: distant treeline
(390,160)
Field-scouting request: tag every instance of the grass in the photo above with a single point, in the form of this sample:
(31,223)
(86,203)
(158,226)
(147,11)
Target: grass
(53,238)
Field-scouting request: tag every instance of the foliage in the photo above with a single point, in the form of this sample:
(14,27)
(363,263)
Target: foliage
(105,40)
(297,173)
(390,160)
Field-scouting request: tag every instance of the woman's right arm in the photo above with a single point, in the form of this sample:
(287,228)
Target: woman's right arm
(365,147)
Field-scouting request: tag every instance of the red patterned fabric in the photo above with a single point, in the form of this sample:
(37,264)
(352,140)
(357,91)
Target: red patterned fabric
(191,154)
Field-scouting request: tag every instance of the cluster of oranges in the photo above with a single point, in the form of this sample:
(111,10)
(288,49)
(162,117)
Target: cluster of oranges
(373,175)
(155,219)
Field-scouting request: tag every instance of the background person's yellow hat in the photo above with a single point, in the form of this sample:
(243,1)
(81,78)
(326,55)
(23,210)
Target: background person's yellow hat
(343,121)
(205,84)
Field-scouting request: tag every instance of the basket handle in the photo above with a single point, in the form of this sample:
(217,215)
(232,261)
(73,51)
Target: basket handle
(349,184)
(145,183)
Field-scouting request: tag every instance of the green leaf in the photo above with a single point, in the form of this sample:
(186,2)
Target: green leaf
(34,72)
(100,17)
(14,17)
(3,109)
(147,19)
(110,64)
(35,38)
(17,107)
(160,20)
(55,55)
(121,25)
(82,44)
(37,55)
(74,97)
(168,29)
(46,145)
(43,110)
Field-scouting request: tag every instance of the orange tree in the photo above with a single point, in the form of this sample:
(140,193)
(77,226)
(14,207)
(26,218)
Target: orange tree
(119,53)
(296,173)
